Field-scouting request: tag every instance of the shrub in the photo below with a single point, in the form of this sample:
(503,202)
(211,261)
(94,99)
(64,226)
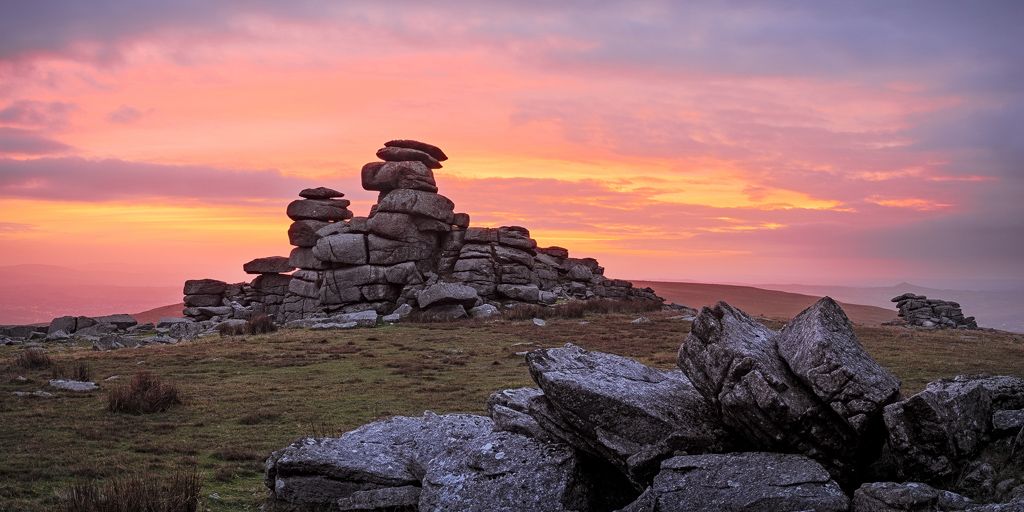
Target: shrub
(144,394)
(149,492)
(33,358)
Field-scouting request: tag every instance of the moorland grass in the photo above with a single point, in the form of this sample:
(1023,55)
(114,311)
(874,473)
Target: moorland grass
(246,396)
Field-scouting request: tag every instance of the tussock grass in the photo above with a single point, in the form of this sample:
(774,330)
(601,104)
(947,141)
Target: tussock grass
(79,371)
(146,492)
(259,324)
(145,394)
(32,359)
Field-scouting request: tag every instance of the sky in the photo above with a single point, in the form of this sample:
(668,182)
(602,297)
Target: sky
(856,143)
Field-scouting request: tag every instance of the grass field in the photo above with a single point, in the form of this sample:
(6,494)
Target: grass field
(243,397)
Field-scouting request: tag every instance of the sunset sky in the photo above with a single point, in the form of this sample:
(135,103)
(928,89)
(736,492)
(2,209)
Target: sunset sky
(858,143)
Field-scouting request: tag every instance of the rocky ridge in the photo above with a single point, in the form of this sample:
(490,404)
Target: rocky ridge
(411,249)
(753,419)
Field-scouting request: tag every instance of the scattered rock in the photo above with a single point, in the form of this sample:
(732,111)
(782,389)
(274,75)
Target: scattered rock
(539,321)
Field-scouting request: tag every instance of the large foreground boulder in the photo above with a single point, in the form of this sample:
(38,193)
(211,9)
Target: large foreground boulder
(934,432)
(627,413)
(762,482)
(809,389)
(453,462)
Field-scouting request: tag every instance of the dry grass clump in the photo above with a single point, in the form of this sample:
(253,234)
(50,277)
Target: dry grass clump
(138,492)
(33,358)
(146,393)
(579,308)
(259,324)
(79,371)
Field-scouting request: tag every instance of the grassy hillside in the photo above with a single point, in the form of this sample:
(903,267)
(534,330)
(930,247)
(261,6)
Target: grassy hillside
(247,396)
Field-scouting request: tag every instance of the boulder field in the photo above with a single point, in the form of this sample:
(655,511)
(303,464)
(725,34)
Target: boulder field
(752,419)
(412,249)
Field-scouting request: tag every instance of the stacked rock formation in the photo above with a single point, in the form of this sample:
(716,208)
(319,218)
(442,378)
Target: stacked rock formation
(921,311)
(411,249)
(754,419)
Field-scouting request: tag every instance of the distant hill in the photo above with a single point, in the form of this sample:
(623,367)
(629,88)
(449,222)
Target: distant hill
(154,315)
(759,302)
(38,293)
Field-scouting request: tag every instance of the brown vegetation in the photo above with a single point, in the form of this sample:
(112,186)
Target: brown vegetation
(147,492)
(146,393)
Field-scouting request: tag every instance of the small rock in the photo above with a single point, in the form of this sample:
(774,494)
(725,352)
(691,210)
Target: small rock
(539,321)
(73,385)
(641,320)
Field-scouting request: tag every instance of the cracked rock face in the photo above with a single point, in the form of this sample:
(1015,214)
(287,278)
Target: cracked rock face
(452,462)
(934,432)
(766,482)
(625,412)
(809,389)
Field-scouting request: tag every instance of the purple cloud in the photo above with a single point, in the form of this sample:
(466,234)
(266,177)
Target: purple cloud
(80,179)
(15,141)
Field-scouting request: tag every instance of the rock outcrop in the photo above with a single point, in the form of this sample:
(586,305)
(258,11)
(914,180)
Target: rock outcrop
(411,242)
(920,311)
(810,388)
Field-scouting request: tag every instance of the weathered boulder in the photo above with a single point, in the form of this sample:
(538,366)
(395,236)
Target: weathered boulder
(320,193)
(319,209)
(99,329)
(399,154)
(447,293)
(757,481)
(384,251)
(520,292)
(67,324)
(511,410)
(905,497)
(429,149)
(348,249)
(302,233)
(268,265)
(444,313)
(418,202)
(456,461)
(932,433)
(630,414)
(395,226)
(819,346)
(196,301)
(734,362)
(204,287)
(113,342)
(388,176)
(303,257)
